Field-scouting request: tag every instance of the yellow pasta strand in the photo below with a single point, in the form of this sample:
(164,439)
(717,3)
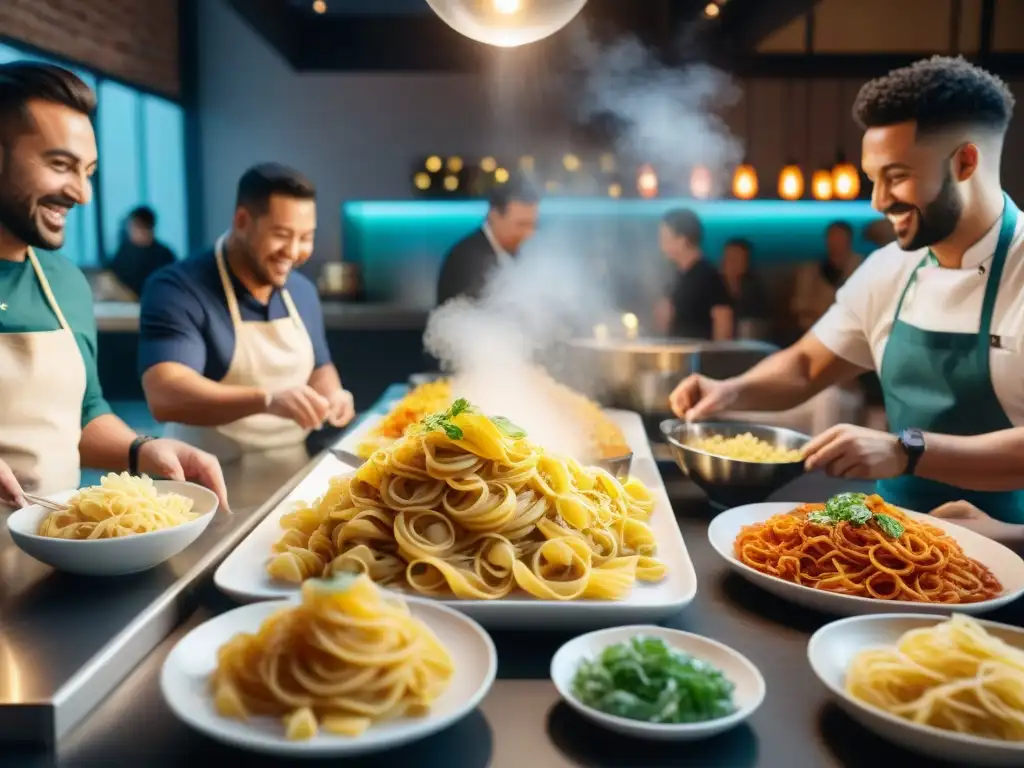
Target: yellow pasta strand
(477,515)
(121,505)
(954,676)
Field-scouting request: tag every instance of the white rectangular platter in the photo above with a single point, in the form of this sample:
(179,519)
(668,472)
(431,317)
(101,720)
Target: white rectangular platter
(243,574)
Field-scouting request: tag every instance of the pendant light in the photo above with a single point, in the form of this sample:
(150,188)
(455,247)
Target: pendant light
(821,184)
(506,23)
(701,182)
(744,180)
(647,182)
(791,178)
(845,178)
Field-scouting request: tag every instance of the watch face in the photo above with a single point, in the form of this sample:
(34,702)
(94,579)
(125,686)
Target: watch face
(912,438)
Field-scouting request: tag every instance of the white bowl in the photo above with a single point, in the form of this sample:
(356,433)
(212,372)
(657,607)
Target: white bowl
(116,556)
(1005,564)
(184,682)
(832,648)
(747,696)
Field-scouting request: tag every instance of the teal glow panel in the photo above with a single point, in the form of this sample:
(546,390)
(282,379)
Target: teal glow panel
(81,242)
(399,245)
(163,124)
(120,158)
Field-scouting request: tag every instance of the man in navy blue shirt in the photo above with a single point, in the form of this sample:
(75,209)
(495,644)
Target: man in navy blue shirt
(233,350)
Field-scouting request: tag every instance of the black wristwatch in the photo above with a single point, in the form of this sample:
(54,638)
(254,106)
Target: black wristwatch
(133,453)
(912,443)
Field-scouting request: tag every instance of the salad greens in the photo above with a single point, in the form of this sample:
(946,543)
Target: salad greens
(850,508)
(646,679)
(445,421)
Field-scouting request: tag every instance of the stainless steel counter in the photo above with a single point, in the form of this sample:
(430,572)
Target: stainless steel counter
(522,722)
(123,316)
(66,641)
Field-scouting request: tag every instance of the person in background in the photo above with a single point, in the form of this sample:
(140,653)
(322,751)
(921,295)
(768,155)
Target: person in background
(140,254)
(53,418)
(747,293)
(816,284)
(232,349)
(511,221)
(698,306)
(937,313)
(969,516)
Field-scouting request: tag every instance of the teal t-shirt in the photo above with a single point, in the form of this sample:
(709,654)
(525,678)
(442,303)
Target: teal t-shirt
(24,309)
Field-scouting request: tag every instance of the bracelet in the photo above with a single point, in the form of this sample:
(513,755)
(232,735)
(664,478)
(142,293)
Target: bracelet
(133,453)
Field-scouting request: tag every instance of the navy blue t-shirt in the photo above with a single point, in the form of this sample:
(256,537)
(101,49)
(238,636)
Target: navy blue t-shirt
(185,318)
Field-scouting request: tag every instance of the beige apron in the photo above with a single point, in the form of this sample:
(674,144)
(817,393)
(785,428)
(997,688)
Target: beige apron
(271,355)
(42,385)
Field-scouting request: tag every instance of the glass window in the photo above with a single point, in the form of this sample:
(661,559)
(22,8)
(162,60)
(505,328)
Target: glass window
(164,163)
(121,186)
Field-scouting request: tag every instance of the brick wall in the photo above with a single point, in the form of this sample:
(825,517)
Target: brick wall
(132,40)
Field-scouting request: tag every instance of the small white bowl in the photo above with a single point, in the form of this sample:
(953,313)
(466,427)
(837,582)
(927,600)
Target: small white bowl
(747,696)
(117,556)
(832,648)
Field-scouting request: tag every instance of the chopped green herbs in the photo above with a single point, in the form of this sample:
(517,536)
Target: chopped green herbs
(646,679)
(851,508)
(444,421)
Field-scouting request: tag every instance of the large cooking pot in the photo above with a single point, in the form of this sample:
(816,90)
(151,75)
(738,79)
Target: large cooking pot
(640,374)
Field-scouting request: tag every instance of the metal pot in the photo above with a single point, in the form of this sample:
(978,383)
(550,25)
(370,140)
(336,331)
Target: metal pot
(640,374)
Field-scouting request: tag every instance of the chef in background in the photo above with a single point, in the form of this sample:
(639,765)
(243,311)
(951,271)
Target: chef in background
(937,313)
(232,348)
(699,306)
(139,254)
(511,221)
(53,418)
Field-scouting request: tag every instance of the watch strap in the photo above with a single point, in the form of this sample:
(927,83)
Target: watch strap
(912,442)
(133,453)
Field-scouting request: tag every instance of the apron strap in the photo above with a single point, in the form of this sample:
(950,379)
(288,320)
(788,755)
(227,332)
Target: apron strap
(995,273)
(913,277)
(45,285)
(293,312)
(225,280)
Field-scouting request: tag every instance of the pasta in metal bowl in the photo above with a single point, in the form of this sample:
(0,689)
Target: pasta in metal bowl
(121,505)
(465,505)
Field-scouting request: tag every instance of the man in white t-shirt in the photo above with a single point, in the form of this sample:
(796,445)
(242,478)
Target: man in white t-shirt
(939,314)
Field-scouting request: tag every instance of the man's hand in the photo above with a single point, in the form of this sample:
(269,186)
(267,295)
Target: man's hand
(176,460)
(342,408)
(969,516)
(10,488)
(303,405)
(698,397)
(855,453)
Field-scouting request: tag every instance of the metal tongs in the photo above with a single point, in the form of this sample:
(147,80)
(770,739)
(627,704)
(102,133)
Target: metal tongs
(346,457)
(45,503)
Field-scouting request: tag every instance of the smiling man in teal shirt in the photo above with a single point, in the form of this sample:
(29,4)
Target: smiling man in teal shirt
(53,419)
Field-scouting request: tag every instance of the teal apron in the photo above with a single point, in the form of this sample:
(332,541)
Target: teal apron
(940,382)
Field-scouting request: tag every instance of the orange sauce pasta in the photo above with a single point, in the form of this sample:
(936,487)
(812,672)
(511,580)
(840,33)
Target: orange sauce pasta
(922,564)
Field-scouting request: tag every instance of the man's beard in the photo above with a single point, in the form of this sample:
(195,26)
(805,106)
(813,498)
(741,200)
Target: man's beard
(938,220)
(16,217)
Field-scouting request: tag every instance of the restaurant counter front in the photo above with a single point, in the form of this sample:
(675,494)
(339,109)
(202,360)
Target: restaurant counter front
(80,661)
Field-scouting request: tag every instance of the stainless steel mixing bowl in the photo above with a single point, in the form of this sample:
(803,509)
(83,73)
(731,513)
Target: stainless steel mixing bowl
(732,482)
(617,466)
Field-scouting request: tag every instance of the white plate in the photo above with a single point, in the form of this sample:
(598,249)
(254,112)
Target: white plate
(832,648)
(747,696)
(243,573)
(186,671)
(1004,563)
(116,556)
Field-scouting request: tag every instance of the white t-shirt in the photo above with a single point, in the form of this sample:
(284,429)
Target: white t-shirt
(857,326)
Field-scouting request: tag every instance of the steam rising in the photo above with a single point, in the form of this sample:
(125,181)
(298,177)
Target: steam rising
(553,291)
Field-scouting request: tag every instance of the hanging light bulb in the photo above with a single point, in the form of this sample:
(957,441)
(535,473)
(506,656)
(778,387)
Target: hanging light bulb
(700,182)
(615,190)
(845,180)
(422,181)
(501,175)
(647,182)
(506,23)
(744,182)
(488,164)
(821,184)
(791,182)
(433,164)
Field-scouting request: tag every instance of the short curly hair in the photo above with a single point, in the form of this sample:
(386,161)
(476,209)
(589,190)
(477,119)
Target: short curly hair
(938,93)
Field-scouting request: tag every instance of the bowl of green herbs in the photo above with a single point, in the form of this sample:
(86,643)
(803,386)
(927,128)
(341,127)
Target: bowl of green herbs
(657,683)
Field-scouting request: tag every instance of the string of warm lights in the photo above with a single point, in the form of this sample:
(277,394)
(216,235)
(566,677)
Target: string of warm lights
(574,175)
